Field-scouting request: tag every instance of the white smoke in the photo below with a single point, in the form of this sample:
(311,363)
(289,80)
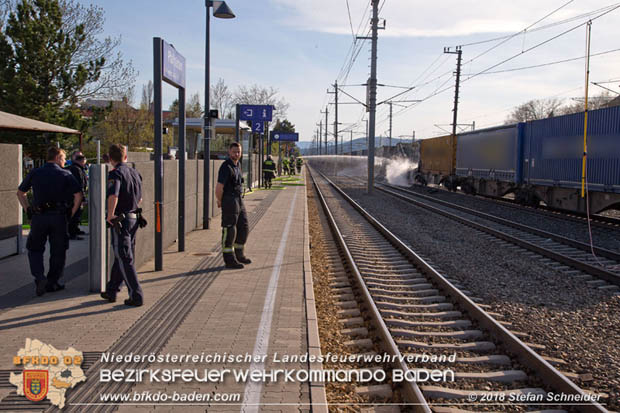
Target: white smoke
(398,170)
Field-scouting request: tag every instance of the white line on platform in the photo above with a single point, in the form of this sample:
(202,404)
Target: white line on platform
(251,396)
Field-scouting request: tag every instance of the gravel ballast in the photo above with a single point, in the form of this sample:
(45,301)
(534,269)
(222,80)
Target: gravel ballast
(577,323)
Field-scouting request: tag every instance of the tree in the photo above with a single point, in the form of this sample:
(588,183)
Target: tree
(222,99)
(284,126)
(147,96)
(258,95)
(51,59)
(535,109)
(594,102)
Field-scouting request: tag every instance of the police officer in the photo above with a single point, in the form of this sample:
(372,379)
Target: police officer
(124,196)
(78,170)
(269,171)
(54,191)
(234,218)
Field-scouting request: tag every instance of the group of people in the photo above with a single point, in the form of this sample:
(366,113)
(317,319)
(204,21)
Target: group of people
(55,212)
(56,207)
(288,168)
(289,165)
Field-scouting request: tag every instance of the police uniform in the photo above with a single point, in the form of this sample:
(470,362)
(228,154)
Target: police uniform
(126,183)
(53,189)
(269,171)
(235,227)
(79,172)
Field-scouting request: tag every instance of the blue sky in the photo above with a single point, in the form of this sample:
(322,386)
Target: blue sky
(299,48)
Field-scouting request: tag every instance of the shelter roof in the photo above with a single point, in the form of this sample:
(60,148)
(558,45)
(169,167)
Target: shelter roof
(15,122)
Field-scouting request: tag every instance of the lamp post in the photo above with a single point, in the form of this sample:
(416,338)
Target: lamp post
(222,11)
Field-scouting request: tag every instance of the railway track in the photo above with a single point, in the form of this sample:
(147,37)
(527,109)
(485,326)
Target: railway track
(418,313)
(605,264)
(606,224)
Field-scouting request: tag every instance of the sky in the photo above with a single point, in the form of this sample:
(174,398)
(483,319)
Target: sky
(301,48)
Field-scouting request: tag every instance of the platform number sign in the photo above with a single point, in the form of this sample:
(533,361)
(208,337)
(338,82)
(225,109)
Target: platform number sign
(258,126)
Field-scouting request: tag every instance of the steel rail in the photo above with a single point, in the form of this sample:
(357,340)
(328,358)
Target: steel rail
(550,375)
(411,390)
(580,265)
(559,238)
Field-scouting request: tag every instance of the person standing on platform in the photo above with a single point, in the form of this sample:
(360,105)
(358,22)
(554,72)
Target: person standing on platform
(299,163)
(285,166)
(124,191)
(235,227)
(78,170)
(269,171)
(55,190)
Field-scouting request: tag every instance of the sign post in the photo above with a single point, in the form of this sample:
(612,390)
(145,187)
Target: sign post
(257,115)
(169,66)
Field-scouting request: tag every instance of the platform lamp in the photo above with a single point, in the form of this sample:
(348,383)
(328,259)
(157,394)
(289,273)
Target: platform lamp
(222,11)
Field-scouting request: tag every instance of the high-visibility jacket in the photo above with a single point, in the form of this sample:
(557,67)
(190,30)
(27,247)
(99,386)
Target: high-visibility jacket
(269,166)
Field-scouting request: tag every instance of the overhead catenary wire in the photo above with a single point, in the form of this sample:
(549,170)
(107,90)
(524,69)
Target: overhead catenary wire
(437,92)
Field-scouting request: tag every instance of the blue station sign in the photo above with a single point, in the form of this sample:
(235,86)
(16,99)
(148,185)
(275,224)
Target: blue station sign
(173,66)
(258,126)
(255,113)
(284,137)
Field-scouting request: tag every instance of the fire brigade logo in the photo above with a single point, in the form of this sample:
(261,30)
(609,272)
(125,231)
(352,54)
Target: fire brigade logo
(36,384)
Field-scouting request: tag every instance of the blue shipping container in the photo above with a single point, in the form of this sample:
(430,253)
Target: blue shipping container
(492,153)
(553,150)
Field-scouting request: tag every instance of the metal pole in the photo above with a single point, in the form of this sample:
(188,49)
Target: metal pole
(373,97)
(351,143)
(206,132)
(390,103)
(181,203)
(336,115)
(98,151)
(320,136)
(159,189)
(326,146)
(456,90)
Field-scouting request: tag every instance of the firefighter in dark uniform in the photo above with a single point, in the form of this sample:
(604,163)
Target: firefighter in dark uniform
(78,170)
(299,161)
(269,171)
(234,218)
(55,191)
(124,194)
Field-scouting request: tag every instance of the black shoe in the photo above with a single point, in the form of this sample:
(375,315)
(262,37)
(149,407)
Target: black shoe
(242,258)
(53,287)
(111,298)
(133,303)
(40,287)
(231,261)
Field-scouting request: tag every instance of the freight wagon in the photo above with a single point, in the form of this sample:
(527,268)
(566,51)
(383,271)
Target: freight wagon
(537,161)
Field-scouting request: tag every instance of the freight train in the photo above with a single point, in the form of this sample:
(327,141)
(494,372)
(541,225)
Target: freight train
(537,162)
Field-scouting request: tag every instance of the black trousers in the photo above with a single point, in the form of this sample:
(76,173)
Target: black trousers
(74,223)
(235,227)
(124,269)
(50,225)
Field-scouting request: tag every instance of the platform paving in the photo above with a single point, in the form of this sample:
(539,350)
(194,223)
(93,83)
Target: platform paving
(257,310)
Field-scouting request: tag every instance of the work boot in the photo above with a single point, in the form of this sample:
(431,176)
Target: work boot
(242,258)
(231,261)
(40,287)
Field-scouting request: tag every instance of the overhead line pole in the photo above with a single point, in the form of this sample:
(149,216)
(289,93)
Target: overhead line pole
(390,103)
(373,97)
(326,115)
(458,52)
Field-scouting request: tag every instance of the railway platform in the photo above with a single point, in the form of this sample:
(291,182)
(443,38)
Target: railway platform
(198,316)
